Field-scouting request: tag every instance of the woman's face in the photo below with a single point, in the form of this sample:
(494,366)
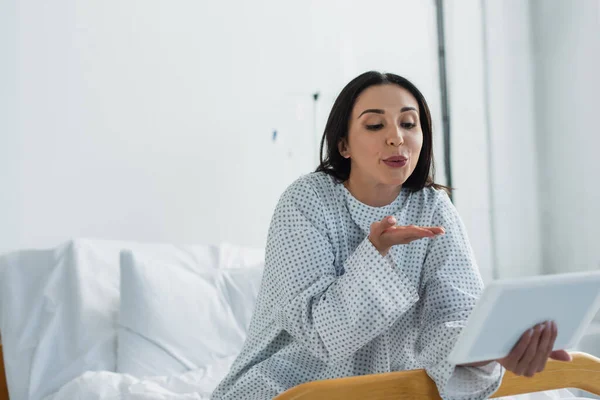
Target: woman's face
(384,136)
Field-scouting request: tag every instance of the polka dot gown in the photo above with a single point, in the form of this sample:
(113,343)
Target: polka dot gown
(331,306)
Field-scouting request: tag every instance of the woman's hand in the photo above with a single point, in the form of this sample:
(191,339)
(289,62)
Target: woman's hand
(530,354)
(385,234)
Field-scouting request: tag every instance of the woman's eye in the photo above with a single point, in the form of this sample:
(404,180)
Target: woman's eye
(407,125)
(374,127)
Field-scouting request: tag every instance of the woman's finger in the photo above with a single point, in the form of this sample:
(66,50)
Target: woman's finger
(386,223)
(554,335)
(421,232)
(525,362)
(546,344)
(419,236)
(392,234)
(561,355)
(539,361)
(510,362)
(436,230)
(407,232)
(413,238)
(391,229)
(379,227)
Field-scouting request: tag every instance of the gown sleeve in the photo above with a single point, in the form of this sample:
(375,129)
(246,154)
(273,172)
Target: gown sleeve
(452,286)
(332,316)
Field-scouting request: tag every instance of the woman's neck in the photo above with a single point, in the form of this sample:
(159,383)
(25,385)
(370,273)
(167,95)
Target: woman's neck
(370,193)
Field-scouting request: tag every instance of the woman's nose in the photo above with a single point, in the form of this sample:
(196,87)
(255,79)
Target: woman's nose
(395,138)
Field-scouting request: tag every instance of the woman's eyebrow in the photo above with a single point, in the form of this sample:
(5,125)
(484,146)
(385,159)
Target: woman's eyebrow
(380,111)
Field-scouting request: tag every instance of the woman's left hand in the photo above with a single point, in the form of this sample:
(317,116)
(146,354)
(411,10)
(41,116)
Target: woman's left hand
(530,354)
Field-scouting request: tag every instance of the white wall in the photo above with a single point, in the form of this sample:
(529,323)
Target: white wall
(543,58)
(513,151)
(470,170)
(567,86)
(153,120)
(524,167)
(9,140)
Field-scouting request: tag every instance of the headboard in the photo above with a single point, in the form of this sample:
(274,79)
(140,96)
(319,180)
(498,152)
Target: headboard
(3,385)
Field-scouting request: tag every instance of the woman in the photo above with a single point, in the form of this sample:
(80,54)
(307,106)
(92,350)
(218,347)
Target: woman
(368,265)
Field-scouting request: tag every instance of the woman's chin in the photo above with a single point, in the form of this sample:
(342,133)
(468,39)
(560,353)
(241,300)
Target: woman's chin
(394,181)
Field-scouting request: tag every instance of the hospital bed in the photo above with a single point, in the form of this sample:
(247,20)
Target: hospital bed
(72,277)
(582,373)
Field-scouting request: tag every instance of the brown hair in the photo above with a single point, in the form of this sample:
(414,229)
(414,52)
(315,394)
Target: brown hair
(336,129)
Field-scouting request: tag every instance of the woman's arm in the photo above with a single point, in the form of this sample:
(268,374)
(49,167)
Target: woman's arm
(333,316)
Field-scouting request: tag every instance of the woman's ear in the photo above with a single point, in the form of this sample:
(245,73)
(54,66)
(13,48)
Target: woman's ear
(343,148)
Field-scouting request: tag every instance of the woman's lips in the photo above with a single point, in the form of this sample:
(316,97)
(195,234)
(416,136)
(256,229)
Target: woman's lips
(396,161)
(395,164)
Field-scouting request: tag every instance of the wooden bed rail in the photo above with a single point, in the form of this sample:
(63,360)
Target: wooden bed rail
(582,373)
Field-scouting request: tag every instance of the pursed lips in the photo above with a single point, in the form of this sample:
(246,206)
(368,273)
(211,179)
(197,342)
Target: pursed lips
(395,159)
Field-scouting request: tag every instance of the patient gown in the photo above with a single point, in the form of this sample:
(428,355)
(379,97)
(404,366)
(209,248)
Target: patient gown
(331,306)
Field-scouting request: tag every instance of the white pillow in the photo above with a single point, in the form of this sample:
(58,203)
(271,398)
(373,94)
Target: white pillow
(179,313)
(57,314)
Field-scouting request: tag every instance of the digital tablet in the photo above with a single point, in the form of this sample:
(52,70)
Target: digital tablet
(507,308)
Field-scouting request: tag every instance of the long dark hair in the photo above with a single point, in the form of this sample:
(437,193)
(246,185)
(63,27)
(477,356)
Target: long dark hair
(336,130)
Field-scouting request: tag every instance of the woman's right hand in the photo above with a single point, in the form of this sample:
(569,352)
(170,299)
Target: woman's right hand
(385,234)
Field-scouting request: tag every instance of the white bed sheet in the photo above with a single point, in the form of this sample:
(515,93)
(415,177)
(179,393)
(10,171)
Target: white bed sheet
(197,384)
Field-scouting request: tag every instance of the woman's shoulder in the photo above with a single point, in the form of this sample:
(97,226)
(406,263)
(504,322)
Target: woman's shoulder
(437,205)
(431,197)
(306,202)
(316,185)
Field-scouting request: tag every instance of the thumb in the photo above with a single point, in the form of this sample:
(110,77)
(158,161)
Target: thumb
(561,355)
(378,227)
(388,221)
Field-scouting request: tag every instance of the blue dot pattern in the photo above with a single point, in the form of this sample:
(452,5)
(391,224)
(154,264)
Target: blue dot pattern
(331,306)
